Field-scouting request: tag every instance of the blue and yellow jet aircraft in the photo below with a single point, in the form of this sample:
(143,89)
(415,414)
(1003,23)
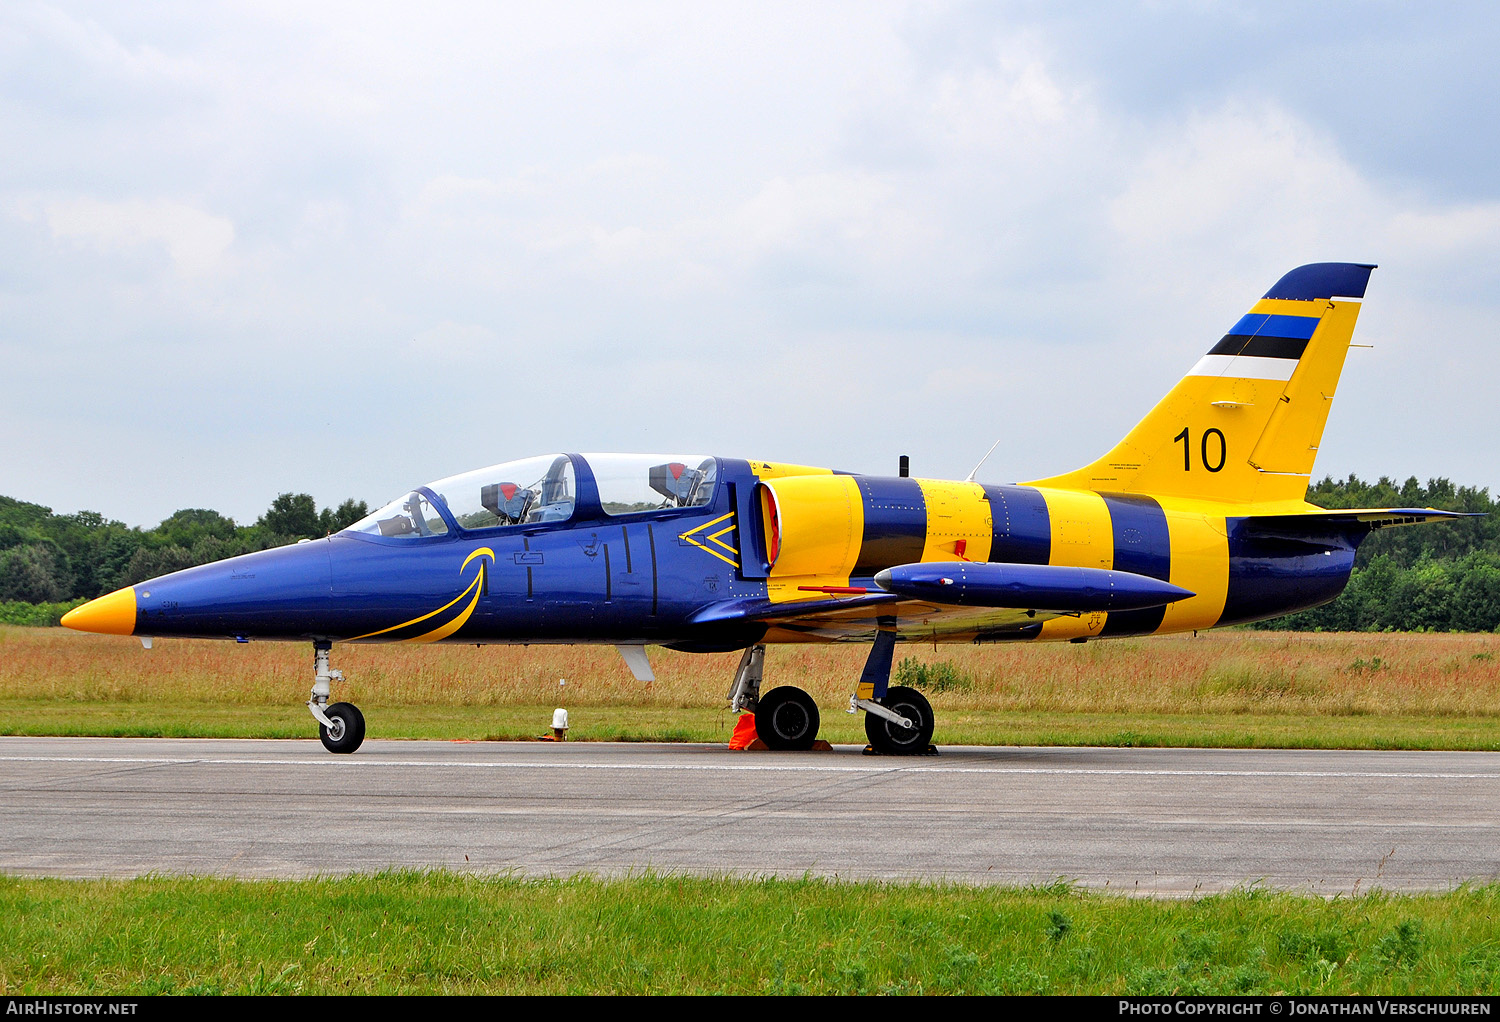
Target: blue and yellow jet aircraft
(1196,518)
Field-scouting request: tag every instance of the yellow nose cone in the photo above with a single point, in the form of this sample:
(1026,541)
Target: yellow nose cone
(112,615)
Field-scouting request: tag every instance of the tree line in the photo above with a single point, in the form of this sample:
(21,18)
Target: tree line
(1443,577)
(50,560)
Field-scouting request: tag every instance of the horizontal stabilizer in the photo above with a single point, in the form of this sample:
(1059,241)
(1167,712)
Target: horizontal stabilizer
(1031,586)
(1383,517)
(1355,520)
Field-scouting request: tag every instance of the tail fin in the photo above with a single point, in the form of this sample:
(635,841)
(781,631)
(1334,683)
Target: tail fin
(1244,424)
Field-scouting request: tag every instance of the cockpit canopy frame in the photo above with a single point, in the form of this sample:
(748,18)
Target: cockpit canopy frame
(550,489)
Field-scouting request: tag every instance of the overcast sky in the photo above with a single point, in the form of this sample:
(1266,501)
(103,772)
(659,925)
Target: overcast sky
(348,248)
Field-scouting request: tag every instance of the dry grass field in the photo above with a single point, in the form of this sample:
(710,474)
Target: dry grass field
(1219,688)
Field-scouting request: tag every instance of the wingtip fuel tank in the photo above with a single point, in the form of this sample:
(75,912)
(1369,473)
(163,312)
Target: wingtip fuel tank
(1029,586)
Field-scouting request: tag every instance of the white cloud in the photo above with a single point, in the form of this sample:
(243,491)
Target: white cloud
(1228,197)
(459,344)
(195,240)
(789,215)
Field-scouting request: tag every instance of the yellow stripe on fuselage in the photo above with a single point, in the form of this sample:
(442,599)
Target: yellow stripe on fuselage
(956,511)
(1082,537)
(1200,563)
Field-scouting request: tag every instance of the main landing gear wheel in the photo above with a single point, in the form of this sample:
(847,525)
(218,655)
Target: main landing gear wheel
(348,731)
(891,738)
(787,718)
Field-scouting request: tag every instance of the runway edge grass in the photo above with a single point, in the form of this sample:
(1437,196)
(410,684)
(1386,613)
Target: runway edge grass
(438,932)
(1223,689)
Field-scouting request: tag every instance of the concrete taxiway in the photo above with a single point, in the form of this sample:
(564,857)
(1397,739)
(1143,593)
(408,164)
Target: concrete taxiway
(1158,821)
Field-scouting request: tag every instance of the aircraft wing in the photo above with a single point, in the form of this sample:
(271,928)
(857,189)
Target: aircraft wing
(948,600)
(856,619)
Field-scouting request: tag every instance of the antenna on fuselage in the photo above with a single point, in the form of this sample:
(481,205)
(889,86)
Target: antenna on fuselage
(971,475)
(905,466)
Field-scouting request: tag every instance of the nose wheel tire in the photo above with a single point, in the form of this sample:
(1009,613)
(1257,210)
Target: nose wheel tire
(786,718)
(891,738)
(348,731)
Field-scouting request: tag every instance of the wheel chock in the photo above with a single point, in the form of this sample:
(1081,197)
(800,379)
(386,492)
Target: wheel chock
(870,750)
(745,739)
(759,746)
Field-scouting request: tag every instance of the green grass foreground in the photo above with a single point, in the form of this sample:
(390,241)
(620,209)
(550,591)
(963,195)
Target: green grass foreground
(459,934)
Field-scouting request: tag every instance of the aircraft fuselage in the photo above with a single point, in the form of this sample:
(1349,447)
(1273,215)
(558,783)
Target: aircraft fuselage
(649,577)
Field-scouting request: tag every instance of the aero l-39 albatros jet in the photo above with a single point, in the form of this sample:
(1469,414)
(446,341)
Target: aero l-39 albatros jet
(1197,518)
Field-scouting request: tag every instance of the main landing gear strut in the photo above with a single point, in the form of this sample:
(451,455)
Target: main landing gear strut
(340,726)
(898,720)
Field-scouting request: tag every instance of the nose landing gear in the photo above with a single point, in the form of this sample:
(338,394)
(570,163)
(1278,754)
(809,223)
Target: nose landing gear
(345,730)
(341,726)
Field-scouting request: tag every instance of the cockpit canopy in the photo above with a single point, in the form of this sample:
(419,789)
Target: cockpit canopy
(544,489)
(514,493)
(408,517)
(632,483)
